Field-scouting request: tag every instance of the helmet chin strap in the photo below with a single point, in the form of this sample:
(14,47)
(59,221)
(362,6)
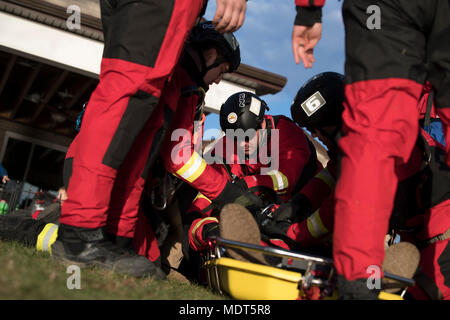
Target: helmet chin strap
(204,68)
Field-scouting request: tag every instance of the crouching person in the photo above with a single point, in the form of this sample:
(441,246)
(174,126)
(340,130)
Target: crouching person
(421,210)
(273,160)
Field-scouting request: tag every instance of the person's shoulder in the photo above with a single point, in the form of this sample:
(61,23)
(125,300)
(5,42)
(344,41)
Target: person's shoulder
(283,122)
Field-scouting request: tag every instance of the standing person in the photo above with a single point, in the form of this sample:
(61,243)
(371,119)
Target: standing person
(220,54)
(124,123)
(207,56)
(386,68)
(3,174)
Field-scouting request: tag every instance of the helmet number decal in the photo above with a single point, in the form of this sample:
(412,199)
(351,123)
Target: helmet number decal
(313,103)
(232,117)
(242,100)
(255,106)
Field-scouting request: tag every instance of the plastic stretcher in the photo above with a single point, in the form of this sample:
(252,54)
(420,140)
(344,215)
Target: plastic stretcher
(297,277)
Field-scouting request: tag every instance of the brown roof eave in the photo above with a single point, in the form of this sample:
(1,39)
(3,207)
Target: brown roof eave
(263,82)
(60,11)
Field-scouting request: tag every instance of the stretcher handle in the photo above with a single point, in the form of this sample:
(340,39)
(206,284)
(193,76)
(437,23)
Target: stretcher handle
(297,256)
(273,251)
(406,281)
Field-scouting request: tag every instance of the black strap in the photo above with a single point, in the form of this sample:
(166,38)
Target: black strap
(228,170)
(269,127)
(428,286)
(309,170)
(440,237)
(190,66)
(427,117)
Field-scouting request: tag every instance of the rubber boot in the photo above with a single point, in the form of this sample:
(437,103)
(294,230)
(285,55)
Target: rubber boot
(91,247)
(237,223)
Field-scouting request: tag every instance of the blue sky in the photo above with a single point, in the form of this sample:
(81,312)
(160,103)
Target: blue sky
(265,41)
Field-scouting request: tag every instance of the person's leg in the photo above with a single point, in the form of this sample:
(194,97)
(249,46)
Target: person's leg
(143,41)
(134,68)
(144,241)
(439,67)
(385,70)
(433,278)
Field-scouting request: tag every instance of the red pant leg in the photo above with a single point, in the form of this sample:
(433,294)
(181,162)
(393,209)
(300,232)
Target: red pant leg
(133,73)
(435,264)
(144,240)
(380,128)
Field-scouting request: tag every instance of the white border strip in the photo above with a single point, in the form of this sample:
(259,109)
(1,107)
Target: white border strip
(41,41)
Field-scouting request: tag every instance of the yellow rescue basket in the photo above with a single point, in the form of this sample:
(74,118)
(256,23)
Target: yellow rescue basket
(294,278)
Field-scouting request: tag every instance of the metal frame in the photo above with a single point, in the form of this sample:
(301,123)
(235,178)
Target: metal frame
(308,279)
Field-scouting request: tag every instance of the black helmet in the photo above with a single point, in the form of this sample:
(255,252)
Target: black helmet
(319,102)
(243,110)
(204,34)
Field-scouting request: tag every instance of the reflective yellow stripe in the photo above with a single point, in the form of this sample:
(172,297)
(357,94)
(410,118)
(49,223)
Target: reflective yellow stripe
(280,181)
(193,168)
(201,196)
(198,172)
(326,177)
(198,224)
(315,225)
(389,296)
(188,164)
(47,237)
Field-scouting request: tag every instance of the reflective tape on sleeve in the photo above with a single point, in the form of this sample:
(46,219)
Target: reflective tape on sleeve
(193,168)
(47,237)
(316,226)
(201,196)
(198,225)
(280,181)
(326,177)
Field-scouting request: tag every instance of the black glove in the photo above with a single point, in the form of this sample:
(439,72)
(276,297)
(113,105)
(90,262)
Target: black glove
(210,230)
(273,229)
(236,193)
(295,210)
(240,183)
(355,289)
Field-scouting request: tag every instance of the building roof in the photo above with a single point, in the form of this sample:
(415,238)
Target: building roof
(44,84)
(55,13)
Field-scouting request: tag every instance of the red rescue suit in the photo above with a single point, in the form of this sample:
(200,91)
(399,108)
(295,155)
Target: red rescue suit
(128,113)
(181,155)
(385,71)
(297,164)
(435,256)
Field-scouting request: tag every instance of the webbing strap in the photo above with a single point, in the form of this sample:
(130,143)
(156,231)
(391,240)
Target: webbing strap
(428,286)
(427,117)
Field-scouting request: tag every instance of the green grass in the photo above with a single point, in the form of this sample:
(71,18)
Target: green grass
(28,274)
